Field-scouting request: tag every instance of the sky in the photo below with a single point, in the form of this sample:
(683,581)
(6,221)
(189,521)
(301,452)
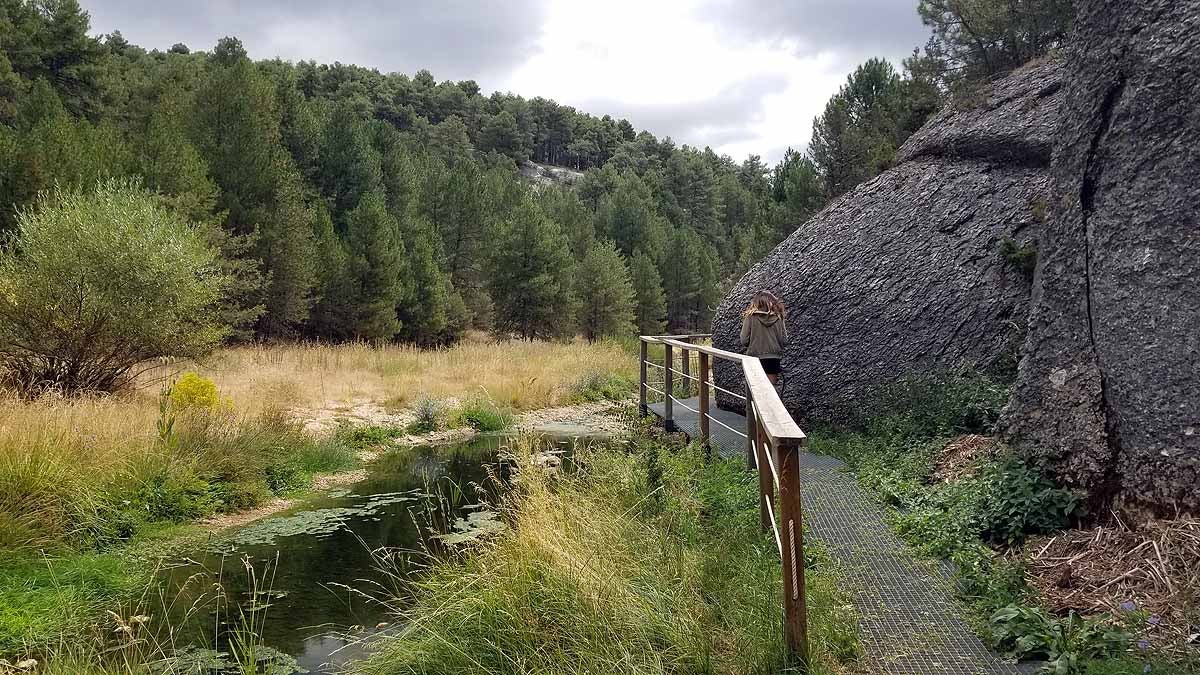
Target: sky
(742,76)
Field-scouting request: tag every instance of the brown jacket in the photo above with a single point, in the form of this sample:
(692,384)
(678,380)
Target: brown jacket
(764,335)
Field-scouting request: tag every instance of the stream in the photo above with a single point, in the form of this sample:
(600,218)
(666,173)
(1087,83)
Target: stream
(315,567)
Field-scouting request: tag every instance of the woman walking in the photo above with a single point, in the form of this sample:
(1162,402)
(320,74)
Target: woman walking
(764,332)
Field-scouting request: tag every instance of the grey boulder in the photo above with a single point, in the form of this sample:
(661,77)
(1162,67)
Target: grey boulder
(904,275)
(1108,392)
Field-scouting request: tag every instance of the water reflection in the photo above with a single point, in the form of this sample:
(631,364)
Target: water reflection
(319,613)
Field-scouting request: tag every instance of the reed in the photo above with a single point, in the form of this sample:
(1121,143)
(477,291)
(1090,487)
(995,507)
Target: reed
(621,568)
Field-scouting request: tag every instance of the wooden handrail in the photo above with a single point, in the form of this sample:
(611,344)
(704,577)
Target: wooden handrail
(773,445)
(777,422)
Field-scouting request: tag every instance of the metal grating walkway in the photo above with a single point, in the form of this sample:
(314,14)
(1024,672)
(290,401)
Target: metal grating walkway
(909,621)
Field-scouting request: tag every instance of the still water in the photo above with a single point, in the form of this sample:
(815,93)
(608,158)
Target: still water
(317,565)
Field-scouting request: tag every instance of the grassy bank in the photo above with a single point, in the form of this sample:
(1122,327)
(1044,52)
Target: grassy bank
(959,495)
(81,478)
(71,502)
(648,561)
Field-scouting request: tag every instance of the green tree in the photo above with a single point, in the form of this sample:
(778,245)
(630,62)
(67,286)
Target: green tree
(797,187)
(375,265)
(690,281)
(95,283)
(976,39)
(10,91)
(349,166)
(563,206)
(628,217)
(857,136)
(48,40)
(58,150)
(651,311)
(170,164)
(605,293)
(236,127)
(426,310)
(531,276)
(501,134)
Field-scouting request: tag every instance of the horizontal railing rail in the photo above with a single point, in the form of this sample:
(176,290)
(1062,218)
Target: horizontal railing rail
(773,444)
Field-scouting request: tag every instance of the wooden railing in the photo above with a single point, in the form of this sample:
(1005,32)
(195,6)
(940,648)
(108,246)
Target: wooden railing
(773,444)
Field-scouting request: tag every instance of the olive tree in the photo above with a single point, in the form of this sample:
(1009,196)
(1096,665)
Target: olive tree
(97,286)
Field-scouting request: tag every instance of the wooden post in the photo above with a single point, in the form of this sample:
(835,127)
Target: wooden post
(795,617)
(705,436)
(751,432)
(686,357)
(642,387)
(669,388)
(766,481)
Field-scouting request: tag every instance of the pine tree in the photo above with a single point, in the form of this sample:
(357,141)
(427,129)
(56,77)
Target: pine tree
(975,40)
(605,293)
(501,134)
(531,277)
(237,130)
(651,310)
(425,307)
(376,269)
(50,41)
(627,216)
(349,167)
(690,281)
(170,164)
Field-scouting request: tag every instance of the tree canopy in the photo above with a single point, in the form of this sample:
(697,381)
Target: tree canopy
(345,203)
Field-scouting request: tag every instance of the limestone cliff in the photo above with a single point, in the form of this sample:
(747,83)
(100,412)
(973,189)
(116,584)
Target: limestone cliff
(1109,385)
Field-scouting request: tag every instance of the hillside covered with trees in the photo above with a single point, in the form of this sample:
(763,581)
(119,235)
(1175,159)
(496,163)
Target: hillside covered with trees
(351,204)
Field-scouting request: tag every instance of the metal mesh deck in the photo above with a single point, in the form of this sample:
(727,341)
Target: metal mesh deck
(909,621)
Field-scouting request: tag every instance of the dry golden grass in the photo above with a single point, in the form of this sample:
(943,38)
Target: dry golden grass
(50,449)
(523,375)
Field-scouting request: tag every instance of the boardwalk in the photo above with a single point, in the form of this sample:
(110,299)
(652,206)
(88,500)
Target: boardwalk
(908,617)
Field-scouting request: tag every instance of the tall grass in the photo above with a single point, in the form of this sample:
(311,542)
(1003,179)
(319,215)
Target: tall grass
(639,563)
(518,374)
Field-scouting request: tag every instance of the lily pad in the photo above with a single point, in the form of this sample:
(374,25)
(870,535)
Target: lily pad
(476,526)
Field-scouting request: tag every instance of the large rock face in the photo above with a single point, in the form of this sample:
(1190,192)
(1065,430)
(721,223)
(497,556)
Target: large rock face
(905,275)
(1109,385)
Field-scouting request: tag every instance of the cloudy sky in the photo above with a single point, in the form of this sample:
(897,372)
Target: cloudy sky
(743,76)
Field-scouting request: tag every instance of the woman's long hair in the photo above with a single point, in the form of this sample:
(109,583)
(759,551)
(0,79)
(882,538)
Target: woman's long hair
(765,302)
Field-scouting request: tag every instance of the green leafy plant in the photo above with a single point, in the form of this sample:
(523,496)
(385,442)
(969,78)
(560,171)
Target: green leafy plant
(369,436)
(1022,257)
(944,404)
(482,414)
(1066,643)
(93,284)
(1019,501)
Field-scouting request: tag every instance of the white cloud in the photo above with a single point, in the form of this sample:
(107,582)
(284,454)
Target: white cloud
(743,76)
(665,64)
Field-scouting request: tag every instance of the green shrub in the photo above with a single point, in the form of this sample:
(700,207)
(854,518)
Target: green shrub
(482,414)
(1018,501)
(945,404)
(1022,257)
(92,284)
(1066,644)
(361,438)
(175,496)
(428,416)
(601,386)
